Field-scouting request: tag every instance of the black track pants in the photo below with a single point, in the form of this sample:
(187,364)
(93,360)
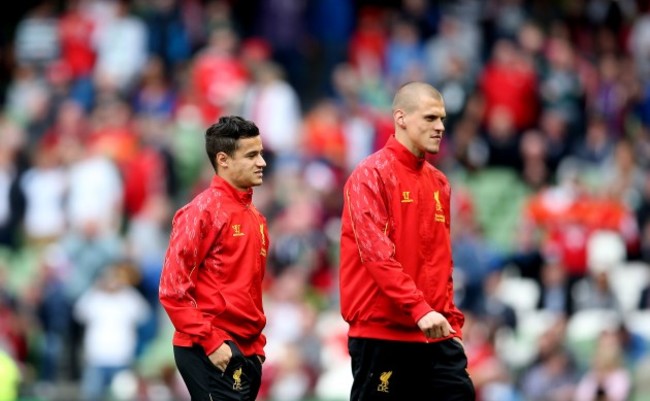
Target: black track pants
(240,382)
(391,370)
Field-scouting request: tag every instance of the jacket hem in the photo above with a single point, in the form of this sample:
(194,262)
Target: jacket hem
(381,332)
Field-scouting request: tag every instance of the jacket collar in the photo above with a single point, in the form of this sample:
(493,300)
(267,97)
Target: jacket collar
(404,155)
(244,197)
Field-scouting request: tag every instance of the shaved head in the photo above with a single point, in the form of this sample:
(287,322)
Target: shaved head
(409,95)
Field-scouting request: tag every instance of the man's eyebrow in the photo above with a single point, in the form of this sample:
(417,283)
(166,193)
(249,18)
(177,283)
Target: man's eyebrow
(435,115)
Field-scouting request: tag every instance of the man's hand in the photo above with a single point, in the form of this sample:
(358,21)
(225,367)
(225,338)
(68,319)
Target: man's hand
(434,325)
(221,357)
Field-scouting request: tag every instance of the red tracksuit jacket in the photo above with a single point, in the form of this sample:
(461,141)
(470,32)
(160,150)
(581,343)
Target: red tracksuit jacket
(211,279)
(396,263)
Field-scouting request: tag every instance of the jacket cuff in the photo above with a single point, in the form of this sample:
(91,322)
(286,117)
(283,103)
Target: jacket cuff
(259,346)
(213,340)
(459,329)
(420,310)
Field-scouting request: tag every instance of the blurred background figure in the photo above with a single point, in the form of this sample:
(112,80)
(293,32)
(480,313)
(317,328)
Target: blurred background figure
(607,378)
(110,312)
(11,377)
(274,105)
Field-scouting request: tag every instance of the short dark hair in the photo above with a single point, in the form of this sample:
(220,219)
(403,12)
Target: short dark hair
(224,135)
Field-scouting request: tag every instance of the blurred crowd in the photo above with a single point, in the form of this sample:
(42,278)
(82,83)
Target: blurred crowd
(547,148)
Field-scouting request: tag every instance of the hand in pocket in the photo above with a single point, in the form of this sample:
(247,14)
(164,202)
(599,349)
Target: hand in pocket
(221,357)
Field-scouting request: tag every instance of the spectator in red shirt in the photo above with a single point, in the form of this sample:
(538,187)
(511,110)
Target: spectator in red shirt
(509,82)
(76,30)
(211,282)
(218,75)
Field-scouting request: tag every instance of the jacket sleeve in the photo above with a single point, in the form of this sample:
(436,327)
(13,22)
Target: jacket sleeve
(454,315)
(367,209)
(193,233)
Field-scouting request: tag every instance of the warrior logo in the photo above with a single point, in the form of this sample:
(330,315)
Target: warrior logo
(237,230)
(406,197)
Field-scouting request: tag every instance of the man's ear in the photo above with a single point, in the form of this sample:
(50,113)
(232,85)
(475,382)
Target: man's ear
(222,160)
(398,116)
